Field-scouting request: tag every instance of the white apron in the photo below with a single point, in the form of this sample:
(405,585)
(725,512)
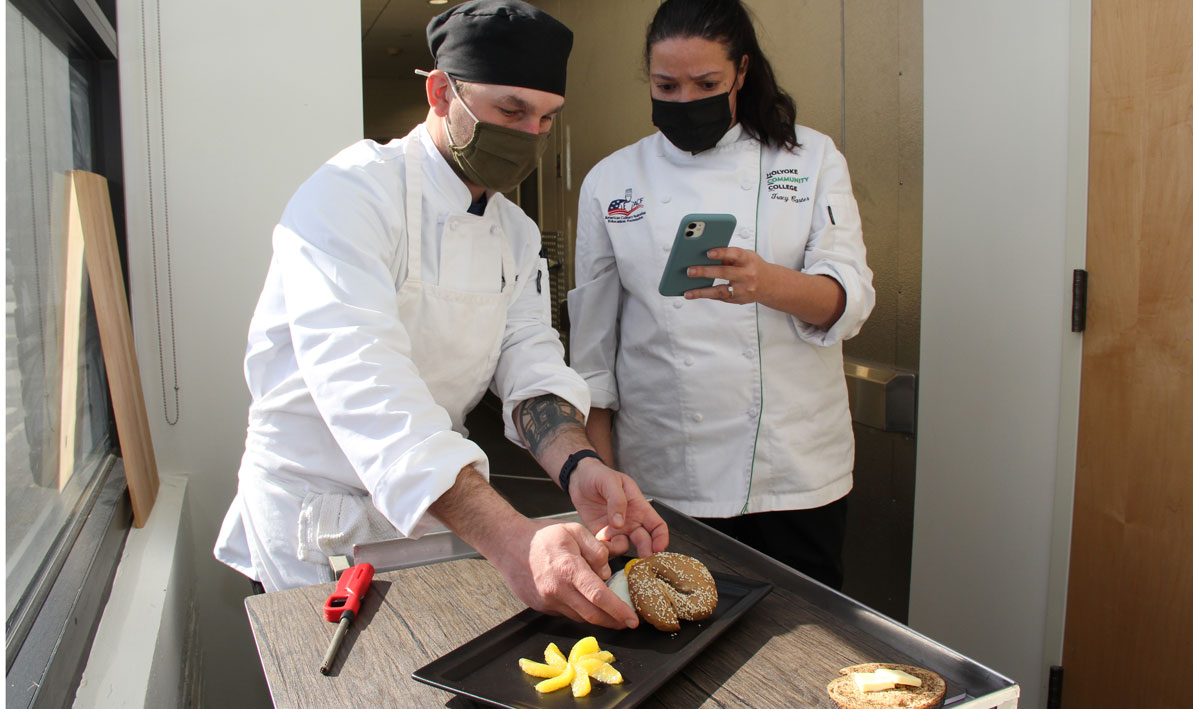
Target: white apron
(455,338)
(455,335)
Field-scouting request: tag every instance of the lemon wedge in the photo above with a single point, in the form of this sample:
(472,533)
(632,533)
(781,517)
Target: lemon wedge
(559,681)
(602,656)
(580,684)
(538,669)
(554,656)
(606,674)
(584,646)
(601,671)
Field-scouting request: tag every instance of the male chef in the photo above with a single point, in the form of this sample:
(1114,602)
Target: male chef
(402,285)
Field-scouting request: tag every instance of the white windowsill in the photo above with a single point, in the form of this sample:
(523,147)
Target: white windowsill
(143,652)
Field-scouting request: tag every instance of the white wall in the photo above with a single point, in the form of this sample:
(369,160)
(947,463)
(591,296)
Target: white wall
(256,95)
(1005,152)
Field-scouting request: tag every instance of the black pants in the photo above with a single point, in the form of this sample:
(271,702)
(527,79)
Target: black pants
(809,541)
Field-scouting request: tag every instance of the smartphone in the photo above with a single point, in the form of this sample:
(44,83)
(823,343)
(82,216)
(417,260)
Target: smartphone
(697,233)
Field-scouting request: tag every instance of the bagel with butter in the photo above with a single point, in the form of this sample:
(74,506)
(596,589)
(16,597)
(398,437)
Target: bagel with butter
(668,587)
(849,693)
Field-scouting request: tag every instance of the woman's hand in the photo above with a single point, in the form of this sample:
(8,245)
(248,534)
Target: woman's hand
(750,277)
(816,299)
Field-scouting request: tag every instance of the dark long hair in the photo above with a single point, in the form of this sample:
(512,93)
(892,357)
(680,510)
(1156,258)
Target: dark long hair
(765,110)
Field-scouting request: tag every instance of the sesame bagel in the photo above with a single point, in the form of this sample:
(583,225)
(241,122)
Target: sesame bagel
(670,587)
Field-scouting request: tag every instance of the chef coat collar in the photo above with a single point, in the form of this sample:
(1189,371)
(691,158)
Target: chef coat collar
(734,135)
(440,175)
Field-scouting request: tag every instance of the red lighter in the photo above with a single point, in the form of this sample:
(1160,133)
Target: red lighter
(343,605)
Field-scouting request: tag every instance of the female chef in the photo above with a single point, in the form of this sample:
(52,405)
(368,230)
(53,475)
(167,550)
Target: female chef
(728,403)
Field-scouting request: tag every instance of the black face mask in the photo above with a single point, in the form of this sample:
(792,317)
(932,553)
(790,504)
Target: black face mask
(693,125)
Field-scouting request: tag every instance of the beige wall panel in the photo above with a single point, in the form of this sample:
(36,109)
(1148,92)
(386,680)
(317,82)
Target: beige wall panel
(871,146)
(802,40)
(883,143)
(608,101)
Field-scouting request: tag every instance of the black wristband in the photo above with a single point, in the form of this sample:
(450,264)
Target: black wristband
(569,467)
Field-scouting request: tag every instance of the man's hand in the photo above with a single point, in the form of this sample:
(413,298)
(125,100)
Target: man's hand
(611,504)
(559,568)
(551,567)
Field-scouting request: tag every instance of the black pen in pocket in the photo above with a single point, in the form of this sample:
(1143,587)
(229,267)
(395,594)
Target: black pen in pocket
(830,215)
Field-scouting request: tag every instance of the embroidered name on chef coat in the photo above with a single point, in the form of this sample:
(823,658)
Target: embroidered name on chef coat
(784,185)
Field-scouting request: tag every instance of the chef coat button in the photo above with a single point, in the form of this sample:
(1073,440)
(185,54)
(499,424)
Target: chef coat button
(697,418)
(752,412)
(665,198)
(493,229)
(747,185)
(689,361)
(747,352)
(451,224)
(678,304)
(747,232)
(666,247)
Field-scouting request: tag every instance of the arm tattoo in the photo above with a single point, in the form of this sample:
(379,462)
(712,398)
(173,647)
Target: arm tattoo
(542,419)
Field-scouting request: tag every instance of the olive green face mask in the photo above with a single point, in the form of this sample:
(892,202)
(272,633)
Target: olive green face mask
(497,158)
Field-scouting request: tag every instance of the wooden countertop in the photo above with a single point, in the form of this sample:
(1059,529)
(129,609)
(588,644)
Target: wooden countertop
(783,652)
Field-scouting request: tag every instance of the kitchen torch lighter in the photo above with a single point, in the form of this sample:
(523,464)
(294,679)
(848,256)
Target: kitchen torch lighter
(343,605)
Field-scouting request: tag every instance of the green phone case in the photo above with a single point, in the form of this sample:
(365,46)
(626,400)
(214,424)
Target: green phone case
(697,233)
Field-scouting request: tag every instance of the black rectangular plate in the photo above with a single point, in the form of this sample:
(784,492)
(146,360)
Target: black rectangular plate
(485,668)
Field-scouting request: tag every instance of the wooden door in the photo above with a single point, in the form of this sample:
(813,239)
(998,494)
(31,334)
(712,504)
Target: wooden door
(1129,622)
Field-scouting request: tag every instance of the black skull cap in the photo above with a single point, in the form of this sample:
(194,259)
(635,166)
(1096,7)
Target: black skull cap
(504,42)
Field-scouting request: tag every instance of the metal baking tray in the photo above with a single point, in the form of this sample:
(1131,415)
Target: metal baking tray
(971,685)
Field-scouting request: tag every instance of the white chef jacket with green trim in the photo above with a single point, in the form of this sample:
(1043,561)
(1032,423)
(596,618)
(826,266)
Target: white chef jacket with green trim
(722,409)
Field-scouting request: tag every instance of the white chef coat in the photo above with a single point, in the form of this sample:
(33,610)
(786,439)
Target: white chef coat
(371,341)
(722,409)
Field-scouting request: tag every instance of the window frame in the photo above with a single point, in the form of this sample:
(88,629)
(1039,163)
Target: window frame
(49,634)
(67,600)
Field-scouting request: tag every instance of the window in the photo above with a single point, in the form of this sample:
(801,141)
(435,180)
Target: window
(44,478)
(65,508)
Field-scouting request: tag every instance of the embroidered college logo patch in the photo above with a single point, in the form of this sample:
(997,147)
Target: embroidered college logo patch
(627,209)
(784,185)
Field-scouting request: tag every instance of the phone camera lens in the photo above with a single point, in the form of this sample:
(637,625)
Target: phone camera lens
(692,225)
(689,232)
